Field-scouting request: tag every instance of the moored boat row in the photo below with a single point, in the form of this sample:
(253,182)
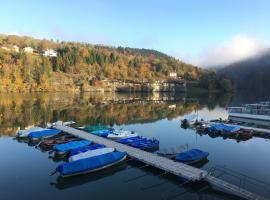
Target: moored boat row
(84,156)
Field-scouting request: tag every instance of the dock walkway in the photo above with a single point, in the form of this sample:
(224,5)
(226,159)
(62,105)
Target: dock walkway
(166,164)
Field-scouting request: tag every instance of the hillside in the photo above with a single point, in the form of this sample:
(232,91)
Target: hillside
(25,65)
(251,74)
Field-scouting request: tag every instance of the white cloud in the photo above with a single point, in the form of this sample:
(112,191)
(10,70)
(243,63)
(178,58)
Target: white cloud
(235,49)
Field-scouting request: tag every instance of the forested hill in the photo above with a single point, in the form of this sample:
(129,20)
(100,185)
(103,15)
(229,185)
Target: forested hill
(24,66)
(252,74)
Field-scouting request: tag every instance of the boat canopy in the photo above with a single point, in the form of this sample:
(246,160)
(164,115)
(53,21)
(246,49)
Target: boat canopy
(43,133)
(102,133)
(145,143)
(224,127)
(191,156)
(86,148)
(71,145)
(91,128)
(90,164)
(91,153)
(129,140)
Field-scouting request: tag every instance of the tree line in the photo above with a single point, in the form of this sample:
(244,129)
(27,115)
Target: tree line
(20,71)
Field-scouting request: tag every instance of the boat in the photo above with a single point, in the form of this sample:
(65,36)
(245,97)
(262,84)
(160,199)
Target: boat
(190,120)
(145,144)
(129,139)
(92,164)
(49,143)
(223,128)
(91,128)
(244,134)
(118,134)
(60,123)
(24,133)
(172,152)
(191,156)
(43,133)
(102,133)
(86,148)
(256,113)
(62,149)
(91,153)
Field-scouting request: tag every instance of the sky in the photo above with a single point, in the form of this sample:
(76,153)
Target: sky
(202,32)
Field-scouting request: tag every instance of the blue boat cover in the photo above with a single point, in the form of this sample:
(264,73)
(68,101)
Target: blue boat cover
(71,145)
(102,133)
(88,164)
(129,140)
(191,156)
(86,148)
(224,127)
(44,133)
(144,144)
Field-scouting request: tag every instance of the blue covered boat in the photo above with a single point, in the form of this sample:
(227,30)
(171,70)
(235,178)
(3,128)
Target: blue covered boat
(224,128)
(43,133)
(102,133)
(145,144)
(86,148)
(129,140)
(91,164)
(191,156)
(65,148)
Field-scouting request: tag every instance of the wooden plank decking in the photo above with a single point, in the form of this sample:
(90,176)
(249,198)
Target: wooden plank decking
(168,165)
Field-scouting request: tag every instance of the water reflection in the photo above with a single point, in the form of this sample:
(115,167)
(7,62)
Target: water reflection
(136,112)
(21,110)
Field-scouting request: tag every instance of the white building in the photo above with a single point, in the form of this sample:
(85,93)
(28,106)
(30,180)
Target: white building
(16,48)
(50,53)
(173,74)
(28,49)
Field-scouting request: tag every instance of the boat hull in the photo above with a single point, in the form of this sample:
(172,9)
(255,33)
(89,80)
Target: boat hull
(92,164)
(248,118)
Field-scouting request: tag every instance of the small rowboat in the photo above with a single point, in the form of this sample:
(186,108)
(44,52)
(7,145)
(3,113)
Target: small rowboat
(91,153)
(119,134)
(102,133)
(191,156)
(129,139)
(91,128)
(92,164)
(63,149)
(49,143)
(86,148)
(27,131)
(43,133)
(146,144)
(60,123)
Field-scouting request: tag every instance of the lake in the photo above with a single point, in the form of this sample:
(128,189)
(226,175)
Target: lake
(25,170)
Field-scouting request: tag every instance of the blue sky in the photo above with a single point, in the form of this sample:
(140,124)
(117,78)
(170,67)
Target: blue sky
(186,29)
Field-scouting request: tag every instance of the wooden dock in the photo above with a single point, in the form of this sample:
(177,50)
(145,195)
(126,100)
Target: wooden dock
(168,165)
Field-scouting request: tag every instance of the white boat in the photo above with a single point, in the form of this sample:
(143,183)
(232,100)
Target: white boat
(258,113)
(60,123)
(119,134)
(27,131)
(91,153)
(191,119)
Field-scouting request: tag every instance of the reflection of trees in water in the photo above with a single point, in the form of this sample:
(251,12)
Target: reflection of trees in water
(20,110)
(212,100)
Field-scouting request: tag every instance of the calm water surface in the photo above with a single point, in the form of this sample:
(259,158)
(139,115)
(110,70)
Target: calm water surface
(24,170)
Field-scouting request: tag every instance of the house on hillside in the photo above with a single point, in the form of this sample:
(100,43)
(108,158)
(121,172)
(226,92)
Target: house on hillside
(28,49)
(173,75)
(50,53)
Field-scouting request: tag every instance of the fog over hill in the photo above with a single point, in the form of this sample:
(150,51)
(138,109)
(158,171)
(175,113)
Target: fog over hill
(251,74)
